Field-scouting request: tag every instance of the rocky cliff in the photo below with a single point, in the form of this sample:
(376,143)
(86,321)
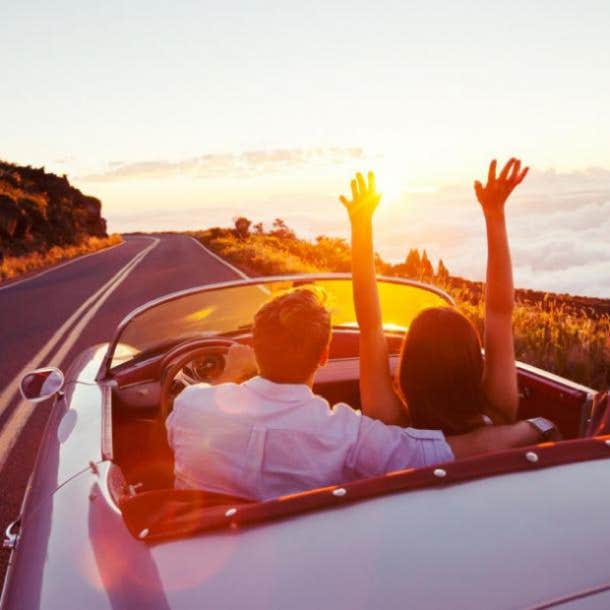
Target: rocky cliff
(39,210)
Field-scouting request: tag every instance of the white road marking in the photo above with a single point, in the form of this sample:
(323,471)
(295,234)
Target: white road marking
(21,414)
(56,267)
(221,260)
(263,289)
(48,347)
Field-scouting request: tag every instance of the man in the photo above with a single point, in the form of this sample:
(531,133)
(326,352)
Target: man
(271,435)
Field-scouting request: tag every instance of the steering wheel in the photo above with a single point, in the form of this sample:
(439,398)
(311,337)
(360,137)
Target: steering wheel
(180,356)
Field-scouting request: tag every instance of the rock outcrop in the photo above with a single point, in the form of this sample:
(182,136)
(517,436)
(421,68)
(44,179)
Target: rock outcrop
(39,210)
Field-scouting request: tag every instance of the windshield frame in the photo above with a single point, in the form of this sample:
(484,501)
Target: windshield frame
(253,281)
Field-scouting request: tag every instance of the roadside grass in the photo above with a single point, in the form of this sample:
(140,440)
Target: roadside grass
(558,333)
(269,254)
(570,341)
(14,266)
(262,255)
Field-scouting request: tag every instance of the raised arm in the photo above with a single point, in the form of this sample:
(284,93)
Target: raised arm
(377,395)
(500,373)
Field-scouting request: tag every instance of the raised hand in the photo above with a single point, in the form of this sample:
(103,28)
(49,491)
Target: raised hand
(494,194)
(365,198)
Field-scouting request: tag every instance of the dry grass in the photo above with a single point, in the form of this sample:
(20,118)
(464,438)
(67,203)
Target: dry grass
(14,266)
(17,194)
(265,254)
(561,338)
(557,333)
(261,255)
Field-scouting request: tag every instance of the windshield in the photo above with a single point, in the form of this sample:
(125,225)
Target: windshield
(229,308)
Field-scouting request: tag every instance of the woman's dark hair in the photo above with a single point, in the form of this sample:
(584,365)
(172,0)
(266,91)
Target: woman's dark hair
(441,370)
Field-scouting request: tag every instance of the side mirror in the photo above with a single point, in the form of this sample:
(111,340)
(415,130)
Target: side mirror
(41,384)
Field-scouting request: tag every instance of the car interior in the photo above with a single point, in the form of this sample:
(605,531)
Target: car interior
(143,393)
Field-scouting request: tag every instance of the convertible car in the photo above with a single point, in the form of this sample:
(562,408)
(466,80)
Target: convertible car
(102,527)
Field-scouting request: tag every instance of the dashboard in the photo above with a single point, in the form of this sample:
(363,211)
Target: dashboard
(137,387)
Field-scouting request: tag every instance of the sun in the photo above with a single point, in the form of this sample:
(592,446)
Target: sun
(391,180)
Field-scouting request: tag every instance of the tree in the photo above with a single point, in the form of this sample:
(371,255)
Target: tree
(442,273)
(333,253)
(426,269)
(216,232)
(259,229)
(242,227)
(282,230)
(412,263)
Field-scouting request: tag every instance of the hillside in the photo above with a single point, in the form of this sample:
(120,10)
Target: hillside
(567,335)
(39,210)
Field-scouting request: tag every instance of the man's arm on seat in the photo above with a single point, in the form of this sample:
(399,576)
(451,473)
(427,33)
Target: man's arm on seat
(493,438)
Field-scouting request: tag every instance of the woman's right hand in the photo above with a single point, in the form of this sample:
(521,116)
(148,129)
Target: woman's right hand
(365,199)
(500,373)
(494,194)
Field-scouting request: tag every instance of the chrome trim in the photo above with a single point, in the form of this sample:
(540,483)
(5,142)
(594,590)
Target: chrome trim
(106,431)
(104,486)
(585,413)
(11,538)
(105,367)
(46,369)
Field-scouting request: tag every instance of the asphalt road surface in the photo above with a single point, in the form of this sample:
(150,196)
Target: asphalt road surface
(49,318)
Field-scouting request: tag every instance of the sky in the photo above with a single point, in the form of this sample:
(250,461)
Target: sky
(184,115)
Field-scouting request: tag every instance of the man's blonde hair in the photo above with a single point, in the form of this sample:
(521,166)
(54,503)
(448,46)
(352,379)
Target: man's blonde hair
(290,335)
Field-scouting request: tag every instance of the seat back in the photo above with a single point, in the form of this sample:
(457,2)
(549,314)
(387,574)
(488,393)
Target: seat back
(144,454)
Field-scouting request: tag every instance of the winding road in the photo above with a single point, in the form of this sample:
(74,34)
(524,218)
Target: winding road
(50,317)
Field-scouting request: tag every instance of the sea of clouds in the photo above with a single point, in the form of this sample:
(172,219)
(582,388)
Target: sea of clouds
(559,230)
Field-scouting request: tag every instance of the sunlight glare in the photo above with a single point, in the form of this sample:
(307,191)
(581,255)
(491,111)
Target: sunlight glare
(391,179)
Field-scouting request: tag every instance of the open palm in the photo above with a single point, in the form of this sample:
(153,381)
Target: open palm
(365,198)
(494,194)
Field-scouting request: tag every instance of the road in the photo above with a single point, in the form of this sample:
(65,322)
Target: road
(47,319)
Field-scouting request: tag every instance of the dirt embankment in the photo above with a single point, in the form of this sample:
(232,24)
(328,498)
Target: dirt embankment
(39,210)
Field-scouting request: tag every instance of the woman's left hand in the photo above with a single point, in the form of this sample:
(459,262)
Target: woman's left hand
(494,194)
(365,198)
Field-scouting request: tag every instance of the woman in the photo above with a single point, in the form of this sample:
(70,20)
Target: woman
(443,382)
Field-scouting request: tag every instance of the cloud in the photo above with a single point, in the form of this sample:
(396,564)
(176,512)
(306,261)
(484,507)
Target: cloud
(558,225)
(160,219)
(247,163)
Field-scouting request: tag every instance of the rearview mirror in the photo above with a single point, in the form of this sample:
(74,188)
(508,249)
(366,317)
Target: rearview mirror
(41,384)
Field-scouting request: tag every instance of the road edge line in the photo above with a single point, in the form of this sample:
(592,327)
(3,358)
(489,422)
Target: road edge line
(219,259)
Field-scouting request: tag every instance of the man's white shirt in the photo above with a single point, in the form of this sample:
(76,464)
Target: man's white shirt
(261,440)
